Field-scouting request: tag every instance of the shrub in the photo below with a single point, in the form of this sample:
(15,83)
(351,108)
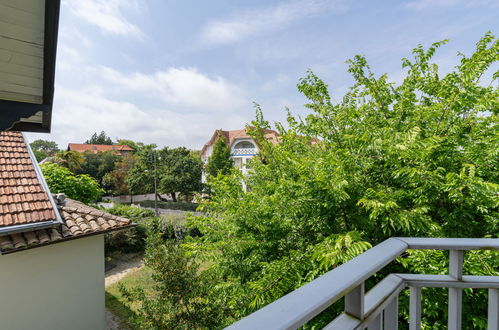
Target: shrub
(184,206)
(79,187)
(171,226)
(131,239)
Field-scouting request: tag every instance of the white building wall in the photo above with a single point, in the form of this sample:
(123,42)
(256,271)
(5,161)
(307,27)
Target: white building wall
(55,287)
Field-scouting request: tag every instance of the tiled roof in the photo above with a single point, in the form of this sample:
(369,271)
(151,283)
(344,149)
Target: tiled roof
(23,199)
(82,147)
(79,220)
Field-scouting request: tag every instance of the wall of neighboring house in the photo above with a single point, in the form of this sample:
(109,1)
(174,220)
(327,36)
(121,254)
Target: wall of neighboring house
(59,286)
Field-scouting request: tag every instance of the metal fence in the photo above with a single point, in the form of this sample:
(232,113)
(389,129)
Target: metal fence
(378,308)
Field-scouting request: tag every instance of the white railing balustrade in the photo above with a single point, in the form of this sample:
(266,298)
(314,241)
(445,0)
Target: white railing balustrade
(378,308)
(244,151)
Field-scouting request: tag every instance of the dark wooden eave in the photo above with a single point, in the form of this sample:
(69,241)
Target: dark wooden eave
(13,112)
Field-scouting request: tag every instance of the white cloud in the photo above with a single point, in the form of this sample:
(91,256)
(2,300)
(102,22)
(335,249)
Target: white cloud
(106,14)
(78,113)
(251,22)
(185,87)
(419,5)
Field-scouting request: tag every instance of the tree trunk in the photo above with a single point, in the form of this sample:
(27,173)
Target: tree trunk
(161,198)
(174,196)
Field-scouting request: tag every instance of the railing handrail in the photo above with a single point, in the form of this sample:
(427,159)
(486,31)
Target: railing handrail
(301,305)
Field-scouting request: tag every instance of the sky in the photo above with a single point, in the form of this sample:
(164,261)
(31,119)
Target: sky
(170,72)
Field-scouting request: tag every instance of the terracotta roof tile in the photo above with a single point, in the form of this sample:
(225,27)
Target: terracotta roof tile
(79,219)
(94,148)
(22,197)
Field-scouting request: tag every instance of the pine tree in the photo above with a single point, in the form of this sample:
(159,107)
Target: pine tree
(220,161)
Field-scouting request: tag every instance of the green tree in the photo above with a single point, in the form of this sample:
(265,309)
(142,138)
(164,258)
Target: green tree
(418,158)
(78,187)
(115,181)
(101,138)
(43,148)
(98,164)
(132,144)
(220,160)
(179,172)
(181,297)
(69,159)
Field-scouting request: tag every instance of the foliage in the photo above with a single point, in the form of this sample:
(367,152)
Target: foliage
(184,206)
(220,160)
(97,165)
(78,187)
(180,172)
(132,144)
(72,160)
(43,148)
(131,239)
(115,300)
(418,158)
(176,170)
(115,181)
(140,178)
(101,138)
(180,296)
(171,226)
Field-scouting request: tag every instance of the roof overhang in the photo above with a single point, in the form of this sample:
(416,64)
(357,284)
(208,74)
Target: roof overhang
(29,45)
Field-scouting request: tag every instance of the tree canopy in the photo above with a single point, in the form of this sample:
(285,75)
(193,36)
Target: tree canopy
(101,138)
(220,160)
(43,148)
(177,171)
(415,158)
(78,187)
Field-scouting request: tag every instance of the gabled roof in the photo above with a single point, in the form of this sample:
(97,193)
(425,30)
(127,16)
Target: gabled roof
(79,220)
(24,198)
(82,147)
(233,135)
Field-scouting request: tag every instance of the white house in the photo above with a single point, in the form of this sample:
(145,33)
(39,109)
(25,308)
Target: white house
(242,146)
(51,249)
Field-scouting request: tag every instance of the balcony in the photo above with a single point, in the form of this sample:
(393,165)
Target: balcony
(378,308)
(244,152)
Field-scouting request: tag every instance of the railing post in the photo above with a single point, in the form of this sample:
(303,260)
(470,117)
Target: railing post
(493,317)
(455,294)
(375,324)
(391,315)
(354,302)
(415,308)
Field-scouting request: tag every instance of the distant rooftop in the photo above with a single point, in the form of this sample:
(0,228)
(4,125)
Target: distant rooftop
(83,147)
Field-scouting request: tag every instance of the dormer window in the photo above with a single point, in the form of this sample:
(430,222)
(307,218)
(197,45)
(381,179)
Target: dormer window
(244,145)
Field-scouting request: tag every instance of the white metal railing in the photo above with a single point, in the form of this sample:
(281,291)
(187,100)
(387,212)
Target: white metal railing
(378,308)
(244,151)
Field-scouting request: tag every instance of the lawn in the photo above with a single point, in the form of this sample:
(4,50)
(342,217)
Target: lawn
(115,301)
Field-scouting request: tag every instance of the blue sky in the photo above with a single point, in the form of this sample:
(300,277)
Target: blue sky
(171,72)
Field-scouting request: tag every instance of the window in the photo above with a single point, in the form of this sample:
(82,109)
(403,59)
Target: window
(244,145)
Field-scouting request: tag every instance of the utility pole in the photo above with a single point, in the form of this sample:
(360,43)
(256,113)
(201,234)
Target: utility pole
(154,158)
(156,184)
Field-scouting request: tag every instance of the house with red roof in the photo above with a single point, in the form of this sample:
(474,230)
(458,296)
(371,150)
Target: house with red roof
(242,146)
(120,150)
